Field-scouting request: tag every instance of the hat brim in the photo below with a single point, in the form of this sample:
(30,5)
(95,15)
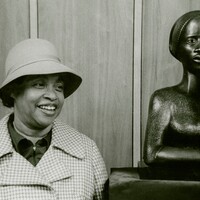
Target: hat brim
(71,79)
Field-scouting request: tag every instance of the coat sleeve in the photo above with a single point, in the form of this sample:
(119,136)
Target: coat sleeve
(100,174)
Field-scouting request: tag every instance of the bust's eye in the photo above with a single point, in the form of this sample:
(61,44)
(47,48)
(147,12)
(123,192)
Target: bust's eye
(191,40)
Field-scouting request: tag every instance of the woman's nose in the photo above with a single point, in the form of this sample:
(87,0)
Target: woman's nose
(50,93)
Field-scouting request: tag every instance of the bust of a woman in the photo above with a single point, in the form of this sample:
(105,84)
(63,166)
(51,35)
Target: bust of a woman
(173,127)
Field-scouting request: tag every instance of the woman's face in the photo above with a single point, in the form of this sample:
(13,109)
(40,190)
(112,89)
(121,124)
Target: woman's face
(189,47)
(40,102)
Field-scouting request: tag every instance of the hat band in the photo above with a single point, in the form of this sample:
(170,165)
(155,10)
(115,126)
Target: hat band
(16,67)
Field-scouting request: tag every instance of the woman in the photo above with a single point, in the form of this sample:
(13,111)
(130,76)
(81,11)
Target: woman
(41,158)
(173,127)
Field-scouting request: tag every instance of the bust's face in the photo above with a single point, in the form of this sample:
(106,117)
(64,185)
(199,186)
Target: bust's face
(189,47)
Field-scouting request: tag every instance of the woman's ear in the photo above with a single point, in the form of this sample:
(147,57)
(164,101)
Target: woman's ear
(13,95)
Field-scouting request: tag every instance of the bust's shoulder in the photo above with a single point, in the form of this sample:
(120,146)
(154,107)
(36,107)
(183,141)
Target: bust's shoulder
(166,97)
(165,94)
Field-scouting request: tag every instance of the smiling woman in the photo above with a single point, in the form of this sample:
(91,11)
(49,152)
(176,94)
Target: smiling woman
(38,103)
(53,159)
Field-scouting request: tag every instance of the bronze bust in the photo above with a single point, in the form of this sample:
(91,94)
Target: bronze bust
(173,126)
(172,143)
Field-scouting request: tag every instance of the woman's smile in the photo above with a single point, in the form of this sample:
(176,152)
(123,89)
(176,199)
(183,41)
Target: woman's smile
(48,109)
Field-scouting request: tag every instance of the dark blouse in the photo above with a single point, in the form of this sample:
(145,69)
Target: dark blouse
(33,153)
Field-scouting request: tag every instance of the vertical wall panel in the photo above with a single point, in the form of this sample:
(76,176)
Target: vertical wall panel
(33,18)
(14,27)
(159,68)
(137,57)
(96,39)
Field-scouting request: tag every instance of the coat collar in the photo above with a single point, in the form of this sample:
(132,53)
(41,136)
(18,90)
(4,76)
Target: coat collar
(68,140)
(21,172)
(64,138)
(6,146)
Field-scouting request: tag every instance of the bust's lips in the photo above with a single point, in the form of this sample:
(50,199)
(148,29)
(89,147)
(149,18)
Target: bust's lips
(196,58)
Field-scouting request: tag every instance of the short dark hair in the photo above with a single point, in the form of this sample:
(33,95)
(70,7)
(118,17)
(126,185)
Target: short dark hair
(13,87)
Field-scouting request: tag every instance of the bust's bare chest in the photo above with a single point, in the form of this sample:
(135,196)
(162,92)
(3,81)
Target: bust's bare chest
(185,116)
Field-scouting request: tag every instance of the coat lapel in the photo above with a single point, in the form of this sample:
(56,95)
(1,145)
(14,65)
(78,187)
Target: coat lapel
(52,167)
(70,143)
(20,172)
(15,169)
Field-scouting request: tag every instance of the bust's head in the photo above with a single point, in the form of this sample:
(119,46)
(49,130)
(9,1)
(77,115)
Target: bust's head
(181,30)
(188,51)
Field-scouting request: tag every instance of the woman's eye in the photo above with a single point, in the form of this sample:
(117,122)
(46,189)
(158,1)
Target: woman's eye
(39,85)
(60,87)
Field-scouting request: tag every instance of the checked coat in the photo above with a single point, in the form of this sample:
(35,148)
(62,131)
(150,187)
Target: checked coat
(71,169)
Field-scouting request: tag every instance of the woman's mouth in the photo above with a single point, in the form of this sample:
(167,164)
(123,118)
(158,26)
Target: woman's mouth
(45,107)
(48,110)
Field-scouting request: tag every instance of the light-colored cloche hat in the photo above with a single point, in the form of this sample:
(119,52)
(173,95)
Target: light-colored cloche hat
(38,57)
